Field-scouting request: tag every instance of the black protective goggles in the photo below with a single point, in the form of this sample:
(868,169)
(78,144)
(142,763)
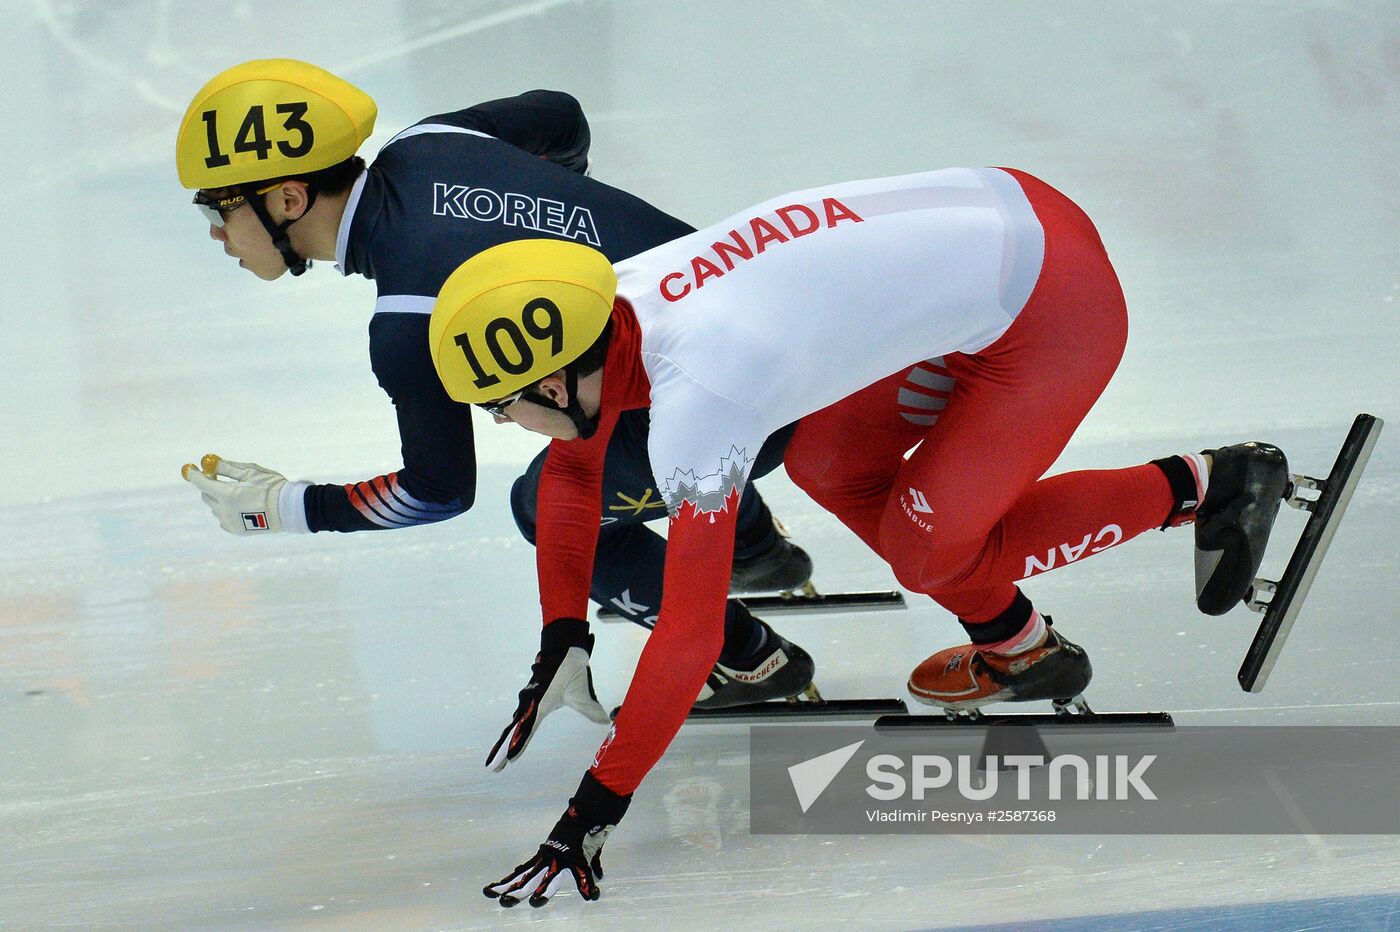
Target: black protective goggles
(586,426)
(216,209)
(498,408)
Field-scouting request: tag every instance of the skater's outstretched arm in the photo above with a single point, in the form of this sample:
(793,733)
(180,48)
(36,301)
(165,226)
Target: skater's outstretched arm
(678,656)
(570,487)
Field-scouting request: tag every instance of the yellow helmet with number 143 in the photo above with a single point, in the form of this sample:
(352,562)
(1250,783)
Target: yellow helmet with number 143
(271,118)
(517,312)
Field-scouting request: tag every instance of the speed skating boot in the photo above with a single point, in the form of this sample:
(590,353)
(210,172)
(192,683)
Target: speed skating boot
(780,670)
(1248,482)
(782,566)
(965,678)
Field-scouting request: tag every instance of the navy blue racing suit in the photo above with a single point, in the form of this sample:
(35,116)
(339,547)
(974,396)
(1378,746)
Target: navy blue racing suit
(441,191)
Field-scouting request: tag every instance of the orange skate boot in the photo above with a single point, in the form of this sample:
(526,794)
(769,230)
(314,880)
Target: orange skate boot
(965,678)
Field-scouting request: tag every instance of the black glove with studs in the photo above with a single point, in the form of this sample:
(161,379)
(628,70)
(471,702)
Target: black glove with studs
(572,851)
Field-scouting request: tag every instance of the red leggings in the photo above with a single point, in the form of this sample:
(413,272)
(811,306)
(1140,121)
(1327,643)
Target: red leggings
(968,514)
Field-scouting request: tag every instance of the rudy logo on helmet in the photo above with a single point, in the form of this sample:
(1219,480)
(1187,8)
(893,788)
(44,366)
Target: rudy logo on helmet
(265,120)
(516,313)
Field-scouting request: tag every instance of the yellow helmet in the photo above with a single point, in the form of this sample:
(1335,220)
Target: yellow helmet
(270,118)
(515,313)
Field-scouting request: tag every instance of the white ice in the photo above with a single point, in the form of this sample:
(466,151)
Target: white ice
(198,731)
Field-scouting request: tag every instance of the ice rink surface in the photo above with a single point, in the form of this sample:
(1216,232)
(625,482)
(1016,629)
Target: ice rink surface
(201,731)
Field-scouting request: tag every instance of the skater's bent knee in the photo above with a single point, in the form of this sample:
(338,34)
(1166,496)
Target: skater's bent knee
(923,563)
(908,571)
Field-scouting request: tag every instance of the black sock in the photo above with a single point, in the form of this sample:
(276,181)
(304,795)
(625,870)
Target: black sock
(1185,491)
(1006,625)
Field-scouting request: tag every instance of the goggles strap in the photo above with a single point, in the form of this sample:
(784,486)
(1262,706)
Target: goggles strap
(295,263)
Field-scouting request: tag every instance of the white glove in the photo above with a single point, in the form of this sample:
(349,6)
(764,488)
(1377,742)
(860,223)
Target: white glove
(246,498)
(559,676)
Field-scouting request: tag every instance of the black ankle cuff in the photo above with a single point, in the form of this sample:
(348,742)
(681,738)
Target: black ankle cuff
(743,636)
(1008,624)
(1183,483)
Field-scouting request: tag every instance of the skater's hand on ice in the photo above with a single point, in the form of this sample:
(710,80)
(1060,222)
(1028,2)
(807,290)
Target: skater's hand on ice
(559,676)
(573,850)
(245,497)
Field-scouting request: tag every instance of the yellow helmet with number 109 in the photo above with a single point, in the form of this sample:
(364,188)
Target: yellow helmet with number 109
(517,312)
(270,118)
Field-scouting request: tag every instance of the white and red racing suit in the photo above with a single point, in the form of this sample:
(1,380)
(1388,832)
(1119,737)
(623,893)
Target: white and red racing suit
(971,312)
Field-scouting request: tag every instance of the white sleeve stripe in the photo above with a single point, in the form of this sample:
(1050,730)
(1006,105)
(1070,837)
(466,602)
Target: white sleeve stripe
(423,128)
(404,304)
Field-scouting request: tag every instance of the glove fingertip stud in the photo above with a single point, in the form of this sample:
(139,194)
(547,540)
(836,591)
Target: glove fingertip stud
(209,465)
(185,471)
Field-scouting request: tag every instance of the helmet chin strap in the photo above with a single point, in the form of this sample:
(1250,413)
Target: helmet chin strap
(295,263)
(585,425)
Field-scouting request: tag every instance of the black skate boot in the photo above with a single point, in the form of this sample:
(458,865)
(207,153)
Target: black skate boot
(780,670)
(1248,482)
(964,678)
(782,566)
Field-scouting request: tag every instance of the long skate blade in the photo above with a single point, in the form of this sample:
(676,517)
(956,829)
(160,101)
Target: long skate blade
(1292,588)
(781,710)
(878,601)
(1028,719)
